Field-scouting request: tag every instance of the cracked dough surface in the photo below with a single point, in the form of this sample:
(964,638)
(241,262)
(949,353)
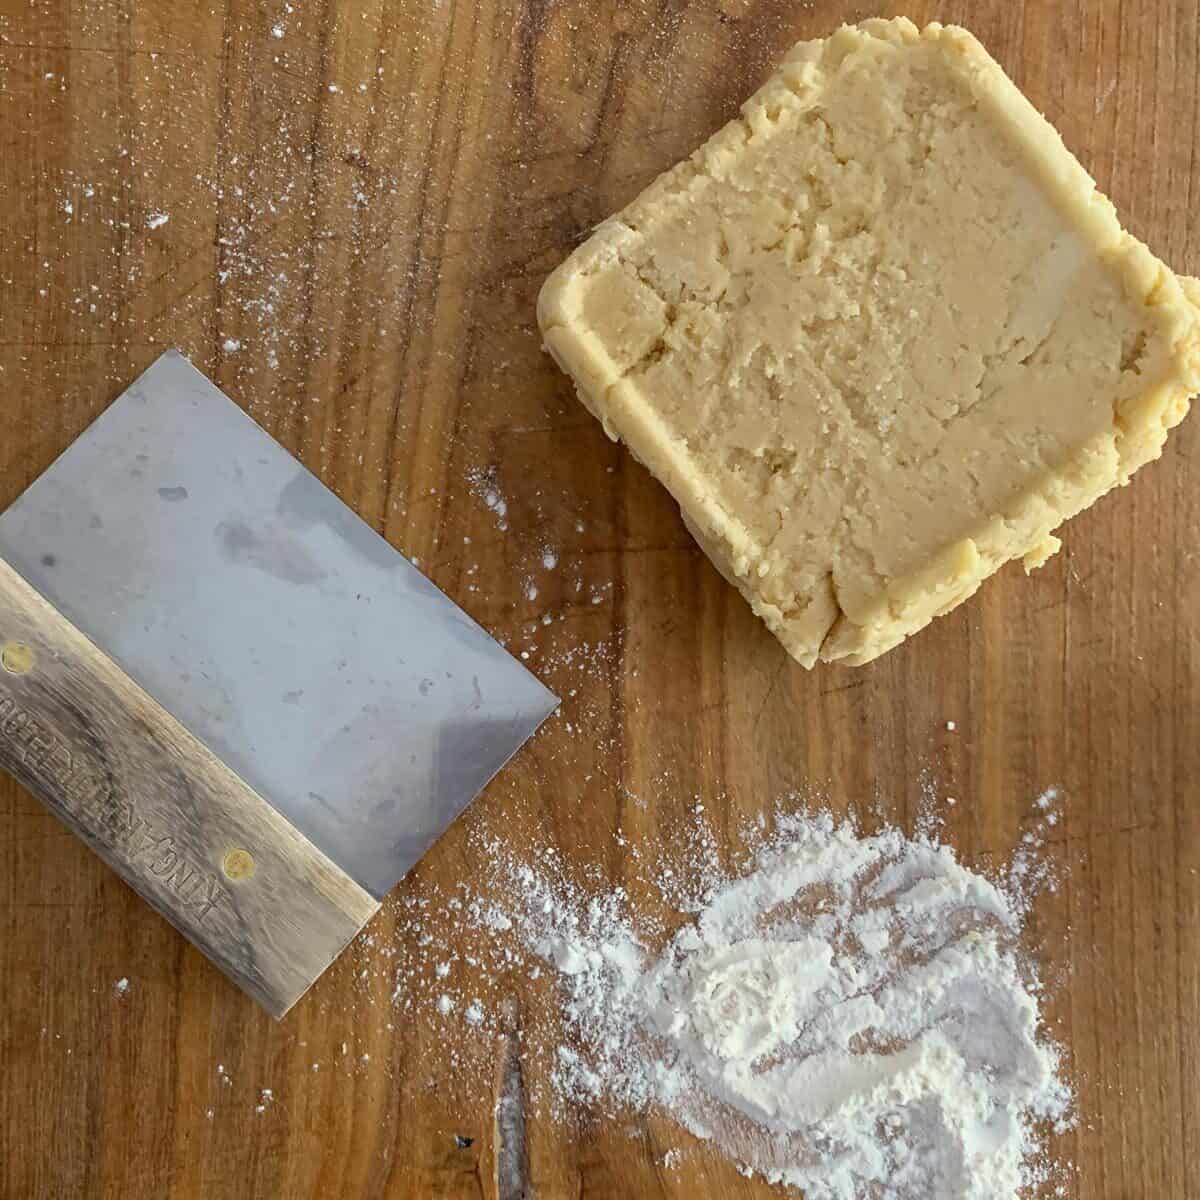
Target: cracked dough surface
(878,336)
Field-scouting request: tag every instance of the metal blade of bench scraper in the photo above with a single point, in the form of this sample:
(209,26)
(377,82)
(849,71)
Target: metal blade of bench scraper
(279,628)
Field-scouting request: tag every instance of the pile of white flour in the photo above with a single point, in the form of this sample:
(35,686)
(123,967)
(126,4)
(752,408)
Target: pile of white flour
(851,1017)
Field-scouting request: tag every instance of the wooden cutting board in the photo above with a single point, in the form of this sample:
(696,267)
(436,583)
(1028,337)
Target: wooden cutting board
(343,213)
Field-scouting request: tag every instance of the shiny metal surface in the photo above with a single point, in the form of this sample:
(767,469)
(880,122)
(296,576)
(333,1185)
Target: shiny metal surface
(280,629)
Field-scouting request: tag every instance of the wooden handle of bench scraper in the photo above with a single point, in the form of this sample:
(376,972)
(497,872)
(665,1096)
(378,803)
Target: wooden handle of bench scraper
(180,827)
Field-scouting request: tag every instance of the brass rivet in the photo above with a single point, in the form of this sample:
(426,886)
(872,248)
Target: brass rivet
(17,658)
(238,864)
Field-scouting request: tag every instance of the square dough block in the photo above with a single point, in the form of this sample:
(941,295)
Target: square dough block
(878,336)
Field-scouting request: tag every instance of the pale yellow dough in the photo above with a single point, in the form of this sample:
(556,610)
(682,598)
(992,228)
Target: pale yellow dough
(878,336)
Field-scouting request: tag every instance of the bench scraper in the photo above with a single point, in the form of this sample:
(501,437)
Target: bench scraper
(238,694)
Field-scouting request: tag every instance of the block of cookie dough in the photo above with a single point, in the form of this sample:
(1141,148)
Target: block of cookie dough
(878,336)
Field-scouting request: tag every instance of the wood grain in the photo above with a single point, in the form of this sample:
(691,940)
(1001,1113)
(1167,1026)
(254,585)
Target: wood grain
(358,268)
(179,826)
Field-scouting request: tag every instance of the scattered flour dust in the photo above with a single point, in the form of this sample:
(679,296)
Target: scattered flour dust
(850,1017)
(484,486)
